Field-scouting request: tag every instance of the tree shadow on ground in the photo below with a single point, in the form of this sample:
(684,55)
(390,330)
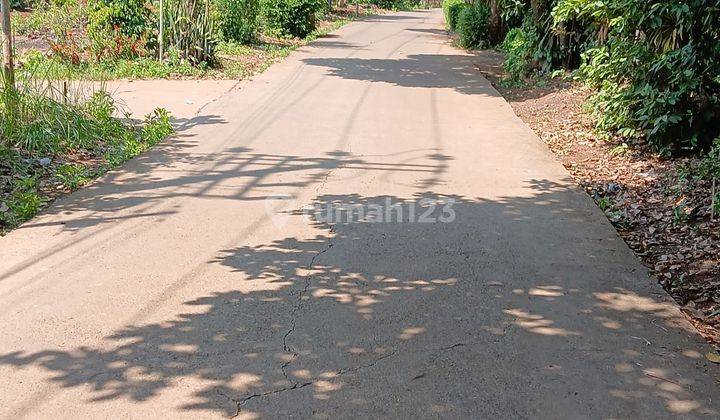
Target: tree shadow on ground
(430,303)
(414,71)
(139,190)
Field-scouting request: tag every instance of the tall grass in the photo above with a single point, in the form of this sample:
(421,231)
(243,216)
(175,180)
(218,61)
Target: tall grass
(190,29)
(57,136)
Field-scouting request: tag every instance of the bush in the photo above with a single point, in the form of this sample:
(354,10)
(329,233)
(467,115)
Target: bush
(452,9)
(473,25)
(395,4)
(130,17)
(119,27)
(519,46)
(656,71)
(238,19)
(57,18)
(296,18)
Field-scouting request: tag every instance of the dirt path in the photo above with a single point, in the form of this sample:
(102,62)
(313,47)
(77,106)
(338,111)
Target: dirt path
(365,230)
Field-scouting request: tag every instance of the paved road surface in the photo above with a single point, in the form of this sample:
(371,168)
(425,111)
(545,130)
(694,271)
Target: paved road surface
(248,267)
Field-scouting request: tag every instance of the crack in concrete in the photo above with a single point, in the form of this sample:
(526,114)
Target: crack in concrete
(340,372)
(299,385)
(240,403)
(298,302)
(286,346)
(456,345)
(343,371)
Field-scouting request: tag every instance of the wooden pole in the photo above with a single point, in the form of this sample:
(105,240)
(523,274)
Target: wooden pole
(161,34)
(8,65)
(713,197)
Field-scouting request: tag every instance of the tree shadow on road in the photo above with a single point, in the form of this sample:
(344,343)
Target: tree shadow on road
(384,311)
(437,71)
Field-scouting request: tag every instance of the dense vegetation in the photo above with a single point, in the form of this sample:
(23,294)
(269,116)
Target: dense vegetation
(101,39)
(655,64)
(101,32)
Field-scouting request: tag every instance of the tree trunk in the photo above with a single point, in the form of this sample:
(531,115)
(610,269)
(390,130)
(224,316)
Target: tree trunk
(8,65)
(495,30)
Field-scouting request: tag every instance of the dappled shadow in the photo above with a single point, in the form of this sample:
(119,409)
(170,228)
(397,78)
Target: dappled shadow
(456,72)
(388,300)
(145,193)
(321,43)
(389,18)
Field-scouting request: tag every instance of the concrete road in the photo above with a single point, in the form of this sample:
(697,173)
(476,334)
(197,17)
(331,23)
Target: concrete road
(365,230)
(184,99)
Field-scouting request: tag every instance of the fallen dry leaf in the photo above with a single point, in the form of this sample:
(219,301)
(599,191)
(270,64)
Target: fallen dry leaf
(713,357)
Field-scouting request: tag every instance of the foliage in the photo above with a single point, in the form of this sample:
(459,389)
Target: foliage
(72,176)
(21,203)
(657,71)
(513,12)
(452,10)
(519,47)
(131,17)
(710,164)
(119,28)
(238,19)
(396,4)
(654,63)
(190,29)
(296,18)
(473,25)
(55,17)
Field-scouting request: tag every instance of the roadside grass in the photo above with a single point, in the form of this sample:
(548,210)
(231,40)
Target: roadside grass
(51,147)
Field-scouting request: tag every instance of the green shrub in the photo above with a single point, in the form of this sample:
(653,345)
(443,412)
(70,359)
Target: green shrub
(519,46)
(238,19)
(72,176)
(130,17)
(58,18)
(156,127)
(396,4)
(656,68)
(296,18)
(710,164)
(119,28)
(473,25)
(23,202)
(452,9)
(38,135)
